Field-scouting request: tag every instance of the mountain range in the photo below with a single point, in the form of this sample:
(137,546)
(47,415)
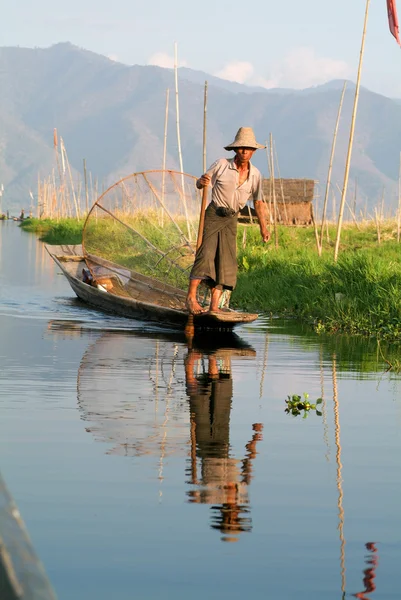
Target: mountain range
(112,115)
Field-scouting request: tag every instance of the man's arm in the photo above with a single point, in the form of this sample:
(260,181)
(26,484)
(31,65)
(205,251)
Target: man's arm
(260,209)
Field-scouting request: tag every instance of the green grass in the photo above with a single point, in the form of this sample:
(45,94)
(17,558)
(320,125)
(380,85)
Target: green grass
(360,294)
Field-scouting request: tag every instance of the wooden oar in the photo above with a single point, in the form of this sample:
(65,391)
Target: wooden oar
(190,329)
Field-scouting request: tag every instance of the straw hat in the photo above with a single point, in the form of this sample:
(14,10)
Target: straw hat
(245,138)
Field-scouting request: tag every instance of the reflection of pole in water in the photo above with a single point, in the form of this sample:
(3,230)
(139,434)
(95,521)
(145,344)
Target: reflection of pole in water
(339,476)
(324,406)
(265,356)
(166,418)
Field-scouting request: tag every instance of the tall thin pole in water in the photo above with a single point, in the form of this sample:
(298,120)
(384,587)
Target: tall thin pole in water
(351,136)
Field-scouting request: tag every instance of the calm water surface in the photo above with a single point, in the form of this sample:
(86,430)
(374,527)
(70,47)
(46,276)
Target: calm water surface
(143,469)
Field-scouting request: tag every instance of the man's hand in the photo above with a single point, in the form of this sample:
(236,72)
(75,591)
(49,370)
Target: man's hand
(203,181)
(265,236)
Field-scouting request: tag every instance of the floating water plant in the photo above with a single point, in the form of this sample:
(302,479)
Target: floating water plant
(295,405)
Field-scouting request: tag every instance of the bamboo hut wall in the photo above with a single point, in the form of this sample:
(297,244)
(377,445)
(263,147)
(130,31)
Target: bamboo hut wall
(294,204)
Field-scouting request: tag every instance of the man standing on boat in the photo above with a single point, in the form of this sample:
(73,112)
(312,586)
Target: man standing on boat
(233,182)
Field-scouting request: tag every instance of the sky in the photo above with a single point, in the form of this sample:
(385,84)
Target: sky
(287,43)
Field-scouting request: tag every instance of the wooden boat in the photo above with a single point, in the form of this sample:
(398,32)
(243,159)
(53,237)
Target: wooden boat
(118,290)
(22,574)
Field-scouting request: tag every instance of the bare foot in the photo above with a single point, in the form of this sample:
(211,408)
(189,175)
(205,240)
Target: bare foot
(194,307)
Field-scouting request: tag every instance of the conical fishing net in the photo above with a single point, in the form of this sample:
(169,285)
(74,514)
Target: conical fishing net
(145,224)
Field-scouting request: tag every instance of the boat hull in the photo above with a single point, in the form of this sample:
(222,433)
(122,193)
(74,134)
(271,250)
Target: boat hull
(72,262)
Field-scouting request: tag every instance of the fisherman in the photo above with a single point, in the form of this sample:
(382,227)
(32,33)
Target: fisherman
(233,182)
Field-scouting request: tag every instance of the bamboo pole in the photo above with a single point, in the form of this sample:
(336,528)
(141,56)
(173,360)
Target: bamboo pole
(204,127)
(77,213)
(177,112)
(86,188)
(281,185)
(353,215)
(165,151)
(273,192)
(270,180)
(399,204)
(377,220)
(333,149)
(352,132)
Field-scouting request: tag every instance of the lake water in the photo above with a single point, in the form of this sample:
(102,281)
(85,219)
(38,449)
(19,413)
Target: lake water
(145,470)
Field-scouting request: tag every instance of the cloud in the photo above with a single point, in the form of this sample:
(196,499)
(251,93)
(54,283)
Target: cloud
(300,69)
(239,71)
(113,57)
(161,59)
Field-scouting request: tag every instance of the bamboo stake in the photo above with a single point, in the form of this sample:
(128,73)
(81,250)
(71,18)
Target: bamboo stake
(319,250)
(165,151)
(86,188)
(72,183)
(177,111)
(91,187)
(281,185)
(274,192)
(270,181)
(399,204)
(333,149)
(377,220)
(352,131)
(350,210)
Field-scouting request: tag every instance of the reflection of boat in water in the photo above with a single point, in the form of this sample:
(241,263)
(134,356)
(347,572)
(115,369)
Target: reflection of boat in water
(145,395)
(131,391)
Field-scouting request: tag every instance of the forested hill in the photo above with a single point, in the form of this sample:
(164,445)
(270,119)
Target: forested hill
(113,116)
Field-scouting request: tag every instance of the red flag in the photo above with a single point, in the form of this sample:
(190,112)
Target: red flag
(393,20)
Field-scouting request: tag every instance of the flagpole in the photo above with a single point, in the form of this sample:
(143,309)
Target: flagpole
(351,135)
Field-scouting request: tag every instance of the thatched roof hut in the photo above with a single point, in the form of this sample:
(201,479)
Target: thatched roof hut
(293,199)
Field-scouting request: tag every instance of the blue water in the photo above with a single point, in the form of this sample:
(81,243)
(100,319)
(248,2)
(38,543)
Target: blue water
(140,476)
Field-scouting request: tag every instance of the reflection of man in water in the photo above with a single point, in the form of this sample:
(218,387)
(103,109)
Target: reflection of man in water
(369,573)
(223,480)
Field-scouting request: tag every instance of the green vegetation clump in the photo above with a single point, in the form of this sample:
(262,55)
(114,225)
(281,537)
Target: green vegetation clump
(295,405)
(64,231)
